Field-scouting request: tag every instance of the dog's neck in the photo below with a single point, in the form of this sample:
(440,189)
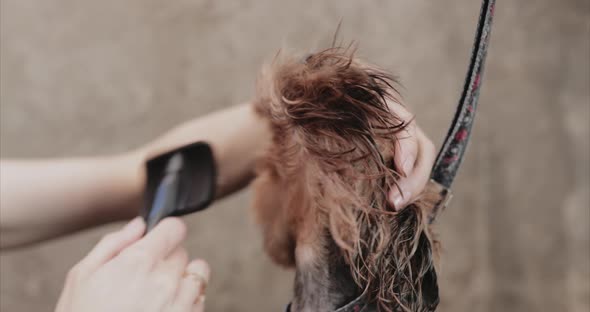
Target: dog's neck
(323,281)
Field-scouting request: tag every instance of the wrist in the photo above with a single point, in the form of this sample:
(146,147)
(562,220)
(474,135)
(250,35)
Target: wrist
(129,169)
(237,153)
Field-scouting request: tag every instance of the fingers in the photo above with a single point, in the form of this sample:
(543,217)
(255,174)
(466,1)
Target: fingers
(191,294)
(167,276)
(423,167)
(162,240)
(414,156)
(415,181)
(112,244)
(405,156)
(407,149)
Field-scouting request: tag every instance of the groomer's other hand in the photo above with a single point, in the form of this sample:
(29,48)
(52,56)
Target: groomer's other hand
(414,155)
(125,272)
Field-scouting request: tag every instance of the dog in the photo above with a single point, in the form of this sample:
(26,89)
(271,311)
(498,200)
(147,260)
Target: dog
(320,194)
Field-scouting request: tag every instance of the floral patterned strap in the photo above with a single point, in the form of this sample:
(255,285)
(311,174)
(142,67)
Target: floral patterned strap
(451,153)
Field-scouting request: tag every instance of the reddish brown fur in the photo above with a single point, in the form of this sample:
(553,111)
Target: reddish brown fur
(330,167)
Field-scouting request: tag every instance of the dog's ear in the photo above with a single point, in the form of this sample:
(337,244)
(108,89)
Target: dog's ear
(271,215)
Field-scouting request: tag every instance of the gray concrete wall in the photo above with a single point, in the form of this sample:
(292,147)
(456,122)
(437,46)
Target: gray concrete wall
(98,77)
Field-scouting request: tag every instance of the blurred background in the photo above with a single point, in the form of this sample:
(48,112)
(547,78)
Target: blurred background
(99,77)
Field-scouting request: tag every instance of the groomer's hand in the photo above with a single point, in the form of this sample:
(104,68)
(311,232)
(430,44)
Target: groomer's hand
(126,272)
(414,155)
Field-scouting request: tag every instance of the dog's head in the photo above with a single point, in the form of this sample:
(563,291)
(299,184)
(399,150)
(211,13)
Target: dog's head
(325,178)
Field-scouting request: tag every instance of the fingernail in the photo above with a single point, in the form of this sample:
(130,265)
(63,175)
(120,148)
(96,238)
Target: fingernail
(398,202)
(200,270)
(399,199)
(200,299)
(200,267)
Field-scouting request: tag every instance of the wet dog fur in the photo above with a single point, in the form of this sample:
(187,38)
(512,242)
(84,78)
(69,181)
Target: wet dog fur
(321,187)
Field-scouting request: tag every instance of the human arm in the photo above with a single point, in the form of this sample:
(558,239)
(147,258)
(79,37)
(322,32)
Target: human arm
(42,199)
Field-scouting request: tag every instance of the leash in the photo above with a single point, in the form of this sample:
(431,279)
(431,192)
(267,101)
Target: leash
(450,156)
